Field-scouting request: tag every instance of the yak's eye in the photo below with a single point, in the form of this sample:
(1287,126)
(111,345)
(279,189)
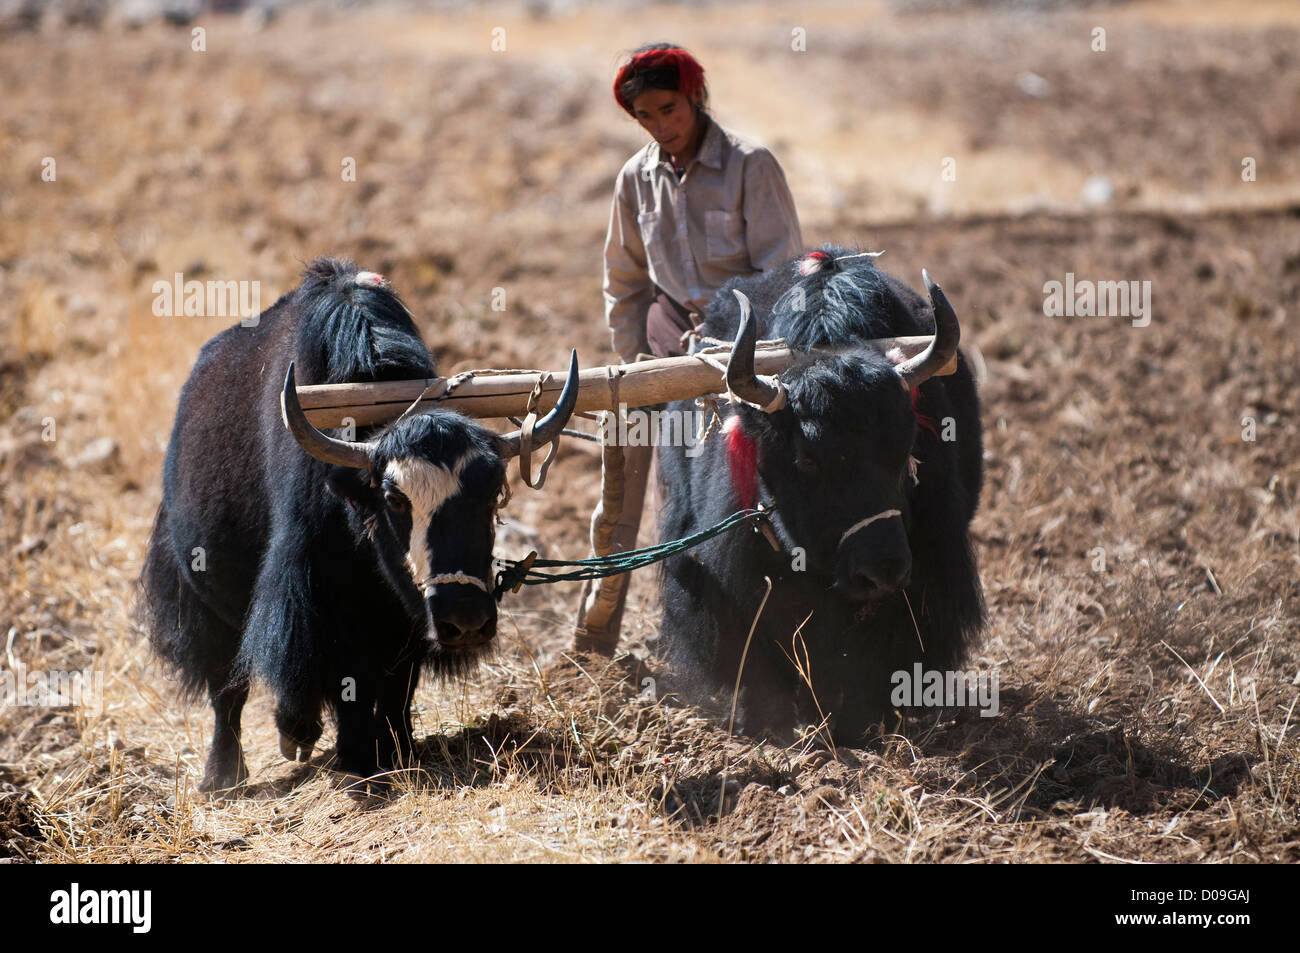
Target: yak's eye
(807,465)
(397,502)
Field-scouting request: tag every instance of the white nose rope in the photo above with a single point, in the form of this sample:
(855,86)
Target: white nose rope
(863,524)
(456,576)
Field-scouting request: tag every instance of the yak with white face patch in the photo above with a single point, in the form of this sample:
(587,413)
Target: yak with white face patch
(428,486)
(315,588)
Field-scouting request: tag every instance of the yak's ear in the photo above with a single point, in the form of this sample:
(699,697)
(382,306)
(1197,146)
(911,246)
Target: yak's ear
(352,486)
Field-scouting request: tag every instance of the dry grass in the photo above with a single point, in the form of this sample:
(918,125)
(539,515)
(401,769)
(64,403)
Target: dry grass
(1148,708)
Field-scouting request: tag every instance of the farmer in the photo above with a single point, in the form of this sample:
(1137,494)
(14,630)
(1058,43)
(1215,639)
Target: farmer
(695,207)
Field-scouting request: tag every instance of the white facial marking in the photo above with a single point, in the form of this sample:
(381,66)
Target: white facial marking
(427,486)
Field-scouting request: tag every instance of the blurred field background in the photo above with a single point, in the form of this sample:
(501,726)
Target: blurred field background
(1147,709)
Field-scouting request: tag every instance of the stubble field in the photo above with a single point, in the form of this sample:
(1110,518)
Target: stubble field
(1139,534)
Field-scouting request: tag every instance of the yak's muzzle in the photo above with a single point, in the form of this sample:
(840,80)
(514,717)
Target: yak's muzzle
(461,618)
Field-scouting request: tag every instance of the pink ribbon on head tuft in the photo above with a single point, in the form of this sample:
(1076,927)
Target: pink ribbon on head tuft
(812,263)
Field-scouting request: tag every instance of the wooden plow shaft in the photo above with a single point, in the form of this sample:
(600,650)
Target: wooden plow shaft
(504,395)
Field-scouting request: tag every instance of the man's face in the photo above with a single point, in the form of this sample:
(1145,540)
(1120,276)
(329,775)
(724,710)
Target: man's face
(669,117)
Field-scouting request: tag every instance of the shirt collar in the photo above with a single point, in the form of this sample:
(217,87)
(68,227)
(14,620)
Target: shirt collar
(709,152)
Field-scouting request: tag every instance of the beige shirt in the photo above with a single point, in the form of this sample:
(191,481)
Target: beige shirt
(731,214)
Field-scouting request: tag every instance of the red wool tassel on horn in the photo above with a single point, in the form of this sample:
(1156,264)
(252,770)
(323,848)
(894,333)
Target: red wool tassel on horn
(742,459)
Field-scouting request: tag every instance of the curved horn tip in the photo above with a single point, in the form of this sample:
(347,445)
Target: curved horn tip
(568,399)
(931,286)
(746,328)
(289,391)
(569,393)
(933,290)
(746,309)
(740,377)
(550,426)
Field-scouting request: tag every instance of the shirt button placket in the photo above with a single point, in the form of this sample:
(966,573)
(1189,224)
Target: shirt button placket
(689,271)
(679,211)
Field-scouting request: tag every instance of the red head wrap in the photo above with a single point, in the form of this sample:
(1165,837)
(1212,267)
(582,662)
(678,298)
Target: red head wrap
(690,74)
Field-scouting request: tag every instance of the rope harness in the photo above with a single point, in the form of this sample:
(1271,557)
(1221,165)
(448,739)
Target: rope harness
(527,571)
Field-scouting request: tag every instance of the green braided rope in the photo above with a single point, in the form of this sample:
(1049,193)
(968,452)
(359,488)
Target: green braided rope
(526,572)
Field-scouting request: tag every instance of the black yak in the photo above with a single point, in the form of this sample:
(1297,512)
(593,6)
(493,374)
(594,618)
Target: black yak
(334,574)
(873,468)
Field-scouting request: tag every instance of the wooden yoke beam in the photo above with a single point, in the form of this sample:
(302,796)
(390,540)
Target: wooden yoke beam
(504,395)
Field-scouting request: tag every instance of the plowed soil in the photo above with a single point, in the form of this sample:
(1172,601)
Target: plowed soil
(1139,534)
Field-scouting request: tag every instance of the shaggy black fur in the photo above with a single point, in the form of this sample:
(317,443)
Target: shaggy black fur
(836,454)
(264,561)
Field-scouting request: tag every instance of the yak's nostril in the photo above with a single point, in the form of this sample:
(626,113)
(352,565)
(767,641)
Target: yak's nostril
(886,576)
(458,620)
(445,630)
(470,622)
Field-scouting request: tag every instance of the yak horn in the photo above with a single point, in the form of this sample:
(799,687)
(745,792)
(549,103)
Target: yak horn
(942,349)
(342,453)
(549,427)
(741,379)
